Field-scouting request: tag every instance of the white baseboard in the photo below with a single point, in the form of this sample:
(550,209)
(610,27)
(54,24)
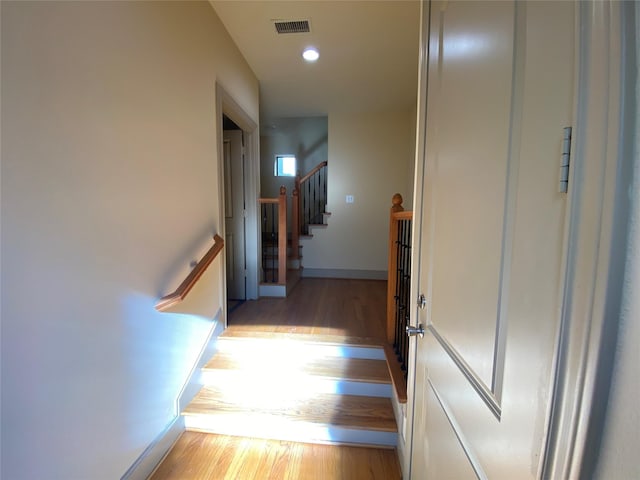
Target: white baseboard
(400,411)
(194,383)
(151,457)
(272,290)
(342,273)
(148,461)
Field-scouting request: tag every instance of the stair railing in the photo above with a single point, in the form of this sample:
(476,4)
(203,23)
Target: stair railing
(273,213)
(295,223)
(399,279)
(312,197)
(192,278)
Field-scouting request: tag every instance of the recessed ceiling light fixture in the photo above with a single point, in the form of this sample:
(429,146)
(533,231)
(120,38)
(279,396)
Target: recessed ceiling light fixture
(310,54)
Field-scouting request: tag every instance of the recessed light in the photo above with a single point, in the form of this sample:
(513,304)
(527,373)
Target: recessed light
(310,54)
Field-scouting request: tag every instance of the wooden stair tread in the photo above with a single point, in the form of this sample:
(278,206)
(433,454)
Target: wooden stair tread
(207,456)
(349,411)
(351,369)
(252,333)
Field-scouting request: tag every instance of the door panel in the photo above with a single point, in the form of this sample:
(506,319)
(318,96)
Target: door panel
(449,453)
(499,93)
(234,214)
(475,52)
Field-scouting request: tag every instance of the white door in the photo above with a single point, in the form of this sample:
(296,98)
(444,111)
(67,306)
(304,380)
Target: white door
(491,239)
(234,208)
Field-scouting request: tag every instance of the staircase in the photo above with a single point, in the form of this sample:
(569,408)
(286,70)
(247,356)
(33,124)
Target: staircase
(269,286)
(295,387)
(321,222)
(308,212)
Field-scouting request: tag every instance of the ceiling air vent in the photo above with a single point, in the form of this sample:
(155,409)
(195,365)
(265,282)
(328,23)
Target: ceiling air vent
(292,26)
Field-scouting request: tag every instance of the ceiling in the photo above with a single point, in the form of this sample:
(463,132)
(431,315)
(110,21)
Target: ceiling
(368,54)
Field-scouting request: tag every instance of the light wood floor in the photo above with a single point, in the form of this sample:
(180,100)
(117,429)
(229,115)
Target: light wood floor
(350,308)
(199,456)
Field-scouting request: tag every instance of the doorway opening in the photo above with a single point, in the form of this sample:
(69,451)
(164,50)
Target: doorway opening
(234,211)
(238,180)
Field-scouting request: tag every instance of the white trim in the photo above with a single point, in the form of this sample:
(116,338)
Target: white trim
(157,450)
(193,384)
(416,234)
(225,104)
(593,257)
(344,273)
(153,455)
(272,290)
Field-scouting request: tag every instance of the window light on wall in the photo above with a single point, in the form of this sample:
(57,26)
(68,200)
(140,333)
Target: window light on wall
(285,166)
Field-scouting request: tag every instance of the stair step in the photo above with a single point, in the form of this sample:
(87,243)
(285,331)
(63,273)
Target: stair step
(294,416)
(354,369)
(352,376)
(256,342)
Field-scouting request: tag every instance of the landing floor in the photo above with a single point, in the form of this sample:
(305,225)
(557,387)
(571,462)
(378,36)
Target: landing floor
(319,306)
(201,456)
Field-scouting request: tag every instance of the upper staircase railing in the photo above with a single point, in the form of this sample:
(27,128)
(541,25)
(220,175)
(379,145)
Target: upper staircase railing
(398,282)
(312,197)
(309,198)
(187,284)
(273,216)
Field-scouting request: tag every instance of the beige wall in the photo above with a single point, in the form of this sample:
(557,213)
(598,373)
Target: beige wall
(304,137)
(109,182)
(370,157)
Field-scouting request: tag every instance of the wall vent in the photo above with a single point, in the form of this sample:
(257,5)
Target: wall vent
(292,26)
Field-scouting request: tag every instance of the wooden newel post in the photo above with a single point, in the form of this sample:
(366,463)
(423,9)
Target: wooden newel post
(396,203)
(396,206)
(295,222)
(282,236)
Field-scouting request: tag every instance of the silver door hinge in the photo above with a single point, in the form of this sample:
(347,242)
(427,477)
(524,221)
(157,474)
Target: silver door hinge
(245,214)
(565,159)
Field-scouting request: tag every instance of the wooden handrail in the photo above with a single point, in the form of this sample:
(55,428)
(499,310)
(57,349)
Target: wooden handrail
(405,215)
(315,169)
(187,284)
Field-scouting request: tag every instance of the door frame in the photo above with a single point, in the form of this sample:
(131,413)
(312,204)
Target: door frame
(595,236)
(229,190)
(226,105)
(416,233)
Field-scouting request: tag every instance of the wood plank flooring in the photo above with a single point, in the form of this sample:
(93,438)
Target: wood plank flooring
(353,411)
(356,369)
(199,456)
(320,306)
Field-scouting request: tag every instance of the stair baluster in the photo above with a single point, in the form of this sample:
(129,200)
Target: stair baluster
(399,280)
(312,198)
(274,238)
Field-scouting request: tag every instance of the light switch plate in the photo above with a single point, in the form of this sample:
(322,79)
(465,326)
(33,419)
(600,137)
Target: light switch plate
(349,198)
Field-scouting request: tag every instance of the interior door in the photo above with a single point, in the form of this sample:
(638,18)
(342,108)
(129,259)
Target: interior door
(234,214)
(491,236)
